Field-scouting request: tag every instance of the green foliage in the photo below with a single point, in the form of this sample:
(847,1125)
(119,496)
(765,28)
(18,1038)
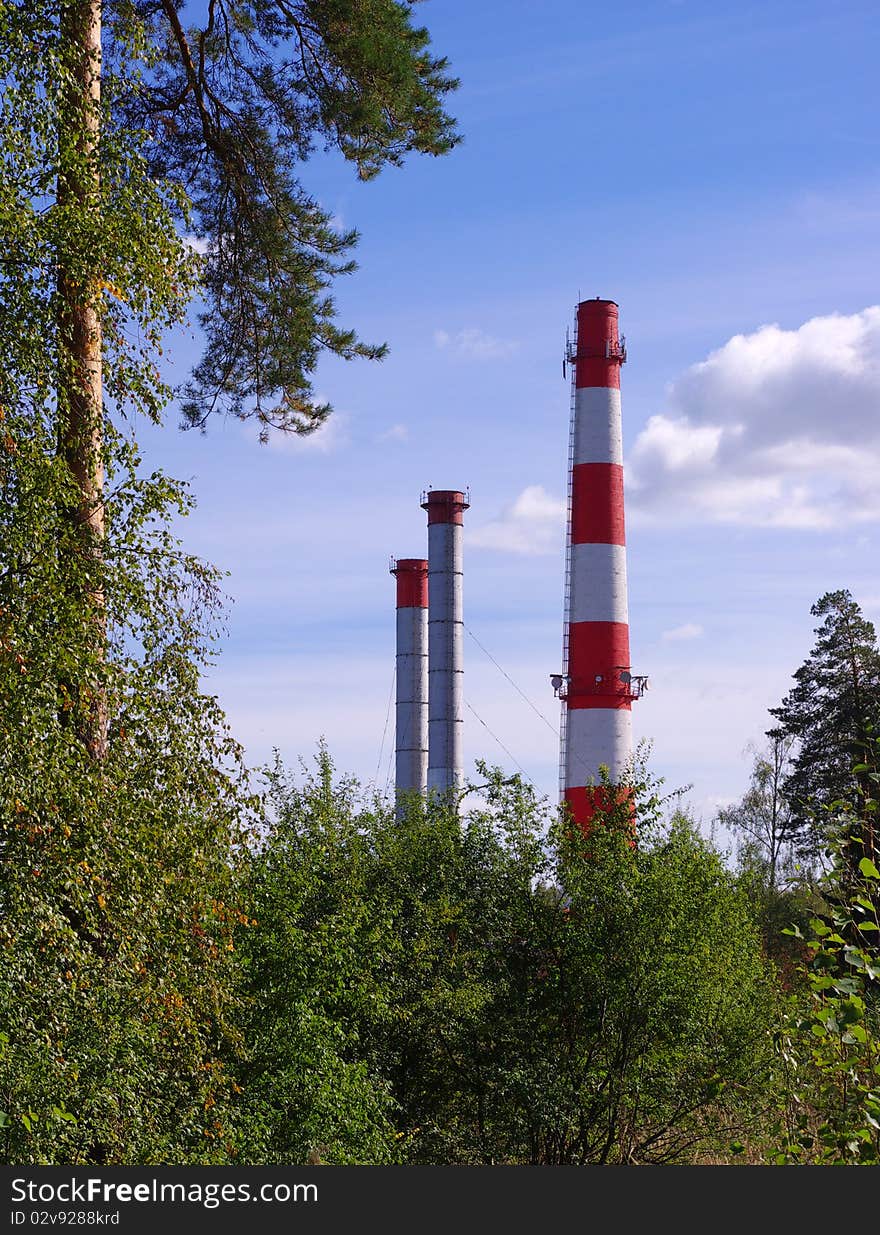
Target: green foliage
(115,883)
(234,108)
(119,983)
(830,1048)
(776,909)
(121,246)
(117,897)
(829,712)
(115,876)
(313,963)
(664,1001)
(501,989)
(206,129)
(832,1053)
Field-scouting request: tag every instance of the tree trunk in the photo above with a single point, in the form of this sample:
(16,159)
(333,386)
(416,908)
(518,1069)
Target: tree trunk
(80,401)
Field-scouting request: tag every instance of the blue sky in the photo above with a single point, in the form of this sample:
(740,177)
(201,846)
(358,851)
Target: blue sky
(715,170)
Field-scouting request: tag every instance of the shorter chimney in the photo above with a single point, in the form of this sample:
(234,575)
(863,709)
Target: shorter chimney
(411,718)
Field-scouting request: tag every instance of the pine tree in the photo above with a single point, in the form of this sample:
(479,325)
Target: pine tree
(831,712)
(121,130)
(123,800)
(234,107)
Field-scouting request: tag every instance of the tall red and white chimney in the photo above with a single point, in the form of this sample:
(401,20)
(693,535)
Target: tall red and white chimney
(411,704)
(598,686)
(445,509)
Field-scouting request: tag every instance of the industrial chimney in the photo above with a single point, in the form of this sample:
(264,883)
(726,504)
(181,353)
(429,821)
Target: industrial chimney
(597,684)
(411,714)
(445,509)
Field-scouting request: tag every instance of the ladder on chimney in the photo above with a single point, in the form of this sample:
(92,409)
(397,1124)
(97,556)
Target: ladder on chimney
(571,354)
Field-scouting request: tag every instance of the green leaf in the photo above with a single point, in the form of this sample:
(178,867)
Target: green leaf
(868,869)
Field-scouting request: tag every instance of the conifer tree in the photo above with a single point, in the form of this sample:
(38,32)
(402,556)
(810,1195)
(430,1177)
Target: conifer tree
(123,800)
(122,129)
(831,712)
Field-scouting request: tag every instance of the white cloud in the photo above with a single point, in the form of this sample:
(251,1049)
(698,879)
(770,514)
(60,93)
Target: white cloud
(199,244)
(690,630)
(533,524)
(475,344)
(331,436)
(779,428)
(715,803)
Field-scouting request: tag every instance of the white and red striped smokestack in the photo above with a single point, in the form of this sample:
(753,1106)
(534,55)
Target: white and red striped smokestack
(411,711)
(445,509)
(598,683)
